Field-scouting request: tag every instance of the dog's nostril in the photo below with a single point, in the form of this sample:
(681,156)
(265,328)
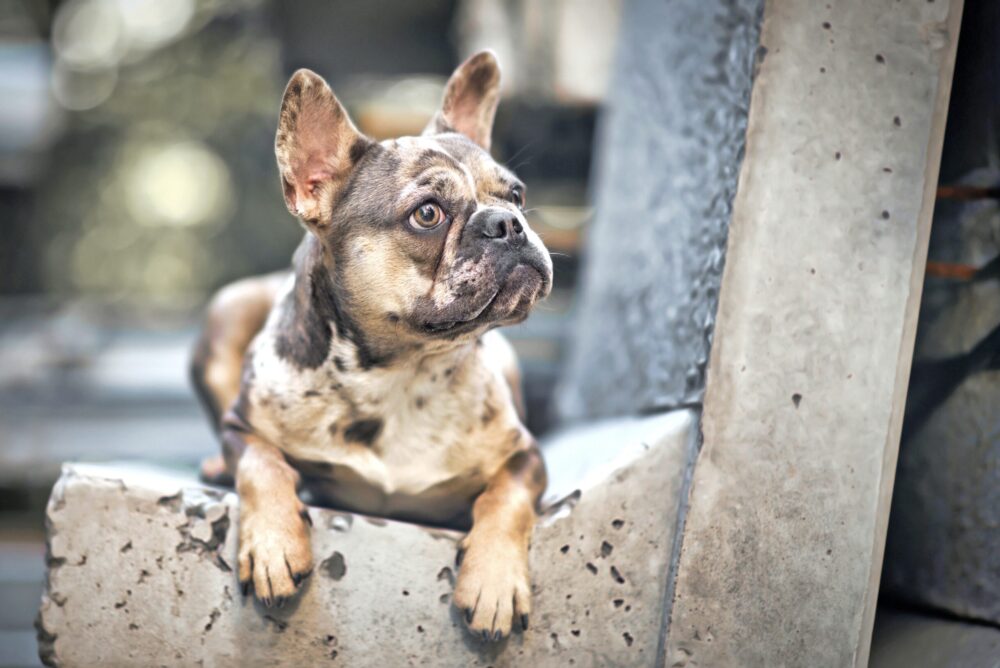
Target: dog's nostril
(516,226)
(495,229)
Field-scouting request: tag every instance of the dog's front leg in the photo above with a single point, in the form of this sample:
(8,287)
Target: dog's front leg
(274,554)
(493,583)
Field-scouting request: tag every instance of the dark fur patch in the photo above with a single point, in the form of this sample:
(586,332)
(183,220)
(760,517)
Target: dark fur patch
(528,465)
(363,431)
(359,148)
(489,413)
(304,333)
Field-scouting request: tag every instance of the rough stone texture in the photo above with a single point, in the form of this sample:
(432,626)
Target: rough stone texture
(943,548)
(140,572)
(669,153)
(782,547)
(906,640)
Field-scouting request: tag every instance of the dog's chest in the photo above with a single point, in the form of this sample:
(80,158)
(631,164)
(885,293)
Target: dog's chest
(427,434)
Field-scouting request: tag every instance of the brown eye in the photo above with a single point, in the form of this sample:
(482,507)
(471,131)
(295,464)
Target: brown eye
(427,215)
(517,194)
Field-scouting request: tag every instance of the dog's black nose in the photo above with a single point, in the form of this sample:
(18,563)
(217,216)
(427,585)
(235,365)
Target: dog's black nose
(498,224)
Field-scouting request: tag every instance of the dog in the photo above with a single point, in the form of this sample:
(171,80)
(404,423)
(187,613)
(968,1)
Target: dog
(371,375)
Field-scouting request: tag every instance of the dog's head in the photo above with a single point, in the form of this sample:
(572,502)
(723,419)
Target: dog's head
(425,237)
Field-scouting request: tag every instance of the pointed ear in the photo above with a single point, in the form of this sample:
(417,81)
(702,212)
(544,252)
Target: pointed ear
(316,145)
(470,100)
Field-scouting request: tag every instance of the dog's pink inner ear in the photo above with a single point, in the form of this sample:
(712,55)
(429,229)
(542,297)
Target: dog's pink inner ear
(314,147)
(470,100)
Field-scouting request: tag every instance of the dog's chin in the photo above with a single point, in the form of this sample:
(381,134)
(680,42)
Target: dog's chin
(510,304)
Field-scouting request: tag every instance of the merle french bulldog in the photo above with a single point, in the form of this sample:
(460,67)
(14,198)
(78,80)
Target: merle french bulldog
(372,374)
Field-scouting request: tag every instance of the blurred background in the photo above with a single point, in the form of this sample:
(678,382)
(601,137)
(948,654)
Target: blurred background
(137,175)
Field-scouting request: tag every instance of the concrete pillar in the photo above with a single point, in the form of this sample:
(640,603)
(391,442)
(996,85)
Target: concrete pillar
(782,547)
(668,154)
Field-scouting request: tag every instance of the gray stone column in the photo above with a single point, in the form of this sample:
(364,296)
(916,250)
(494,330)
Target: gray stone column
(783,543)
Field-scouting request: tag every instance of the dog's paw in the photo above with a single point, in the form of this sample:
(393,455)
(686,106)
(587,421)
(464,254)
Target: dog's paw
(493,588)
(275,554)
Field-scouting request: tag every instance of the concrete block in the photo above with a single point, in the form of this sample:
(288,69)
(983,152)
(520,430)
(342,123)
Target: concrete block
(140,571)
(782,548)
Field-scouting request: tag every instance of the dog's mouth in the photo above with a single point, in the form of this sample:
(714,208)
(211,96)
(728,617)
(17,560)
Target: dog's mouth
(510,303)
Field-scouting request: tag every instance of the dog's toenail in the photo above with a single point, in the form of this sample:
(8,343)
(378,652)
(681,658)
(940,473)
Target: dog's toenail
(496,636)
(245,588)
(524,622)
(486,636)
(468,616)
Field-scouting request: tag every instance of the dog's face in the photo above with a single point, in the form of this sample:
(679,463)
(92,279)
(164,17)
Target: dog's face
(425,237)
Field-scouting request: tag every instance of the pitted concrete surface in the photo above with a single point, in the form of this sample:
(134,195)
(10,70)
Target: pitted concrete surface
(141,572)
(782,547)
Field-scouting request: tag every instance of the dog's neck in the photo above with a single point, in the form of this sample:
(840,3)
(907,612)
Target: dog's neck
(317,327)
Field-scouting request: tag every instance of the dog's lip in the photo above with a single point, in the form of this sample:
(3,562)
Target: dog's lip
(440,326)
(470,323)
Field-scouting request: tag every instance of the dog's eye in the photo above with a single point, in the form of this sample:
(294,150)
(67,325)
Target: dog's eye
(517,194)
(427,215)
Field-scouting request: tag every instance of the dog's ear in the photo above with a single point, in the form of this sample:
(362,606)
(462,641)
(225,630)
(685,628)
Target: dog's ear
(316,145)
(470,100)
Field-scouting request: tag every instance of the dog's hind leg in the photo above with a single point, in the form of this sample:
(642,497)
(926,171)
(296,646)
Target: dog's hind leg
(233,318)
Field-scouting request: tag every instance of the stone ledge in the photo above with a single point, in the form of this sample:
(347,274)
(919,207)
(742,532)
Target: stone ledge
(141,570)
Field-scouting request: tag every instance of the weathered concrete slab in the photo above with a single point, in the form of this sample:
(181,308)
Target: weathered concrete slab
(140,572)
(782,548)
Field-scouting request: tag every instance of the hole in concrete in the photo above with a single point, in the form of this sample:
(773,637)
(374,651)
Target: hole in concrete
(628,638)
(575,632)
(836,155)
(879,58)
(617,576)
(606,549)
(885,215)
(618,602)
(896,121)
(592,568)
(796,399)
(335,566)
(564,549)
(617,524)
